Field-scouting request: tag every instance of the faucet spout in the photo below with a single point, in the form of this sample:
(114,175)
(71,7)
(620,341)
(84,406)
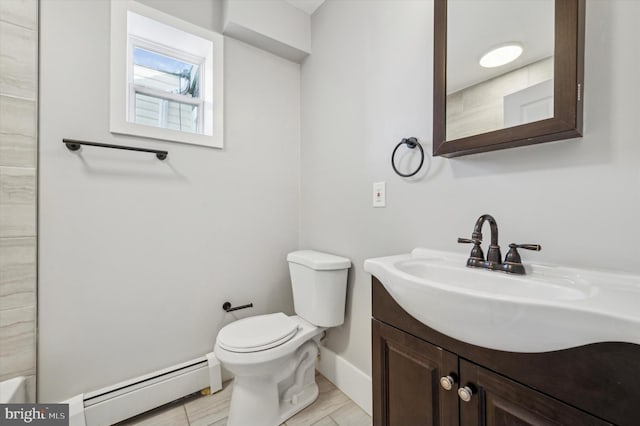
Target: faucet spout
(493,225)
(493,255)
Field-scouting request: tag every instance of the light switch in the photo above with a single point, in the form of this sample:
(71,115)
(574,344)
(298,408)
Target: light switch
(379,194)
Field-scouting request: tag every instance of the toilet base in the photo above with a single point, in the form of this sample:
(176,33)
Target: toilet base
(271,400)
(264,410)
(288,410)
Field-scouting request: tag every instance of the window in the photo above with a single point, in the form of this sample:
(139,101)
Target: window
(165,91)
(166,77)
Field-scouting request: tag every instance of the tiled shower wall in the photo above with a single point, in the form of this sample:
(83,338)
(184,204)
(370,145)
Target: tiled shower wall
(18,209)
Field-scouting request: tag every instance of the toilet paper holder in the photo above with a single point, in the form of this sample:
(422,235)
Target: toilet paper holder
(226,306)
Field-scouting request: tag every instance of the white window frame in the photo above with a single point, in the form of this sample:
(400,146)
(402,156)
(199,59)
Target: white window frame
(175,41)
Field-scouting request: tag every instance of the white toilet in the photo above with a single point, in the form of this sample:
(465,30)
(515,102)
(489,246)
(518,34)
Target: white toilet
(273,356)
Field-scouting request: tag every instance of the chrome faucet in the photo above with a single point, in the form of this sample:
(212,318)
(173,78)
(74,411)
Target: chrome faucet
(512,261)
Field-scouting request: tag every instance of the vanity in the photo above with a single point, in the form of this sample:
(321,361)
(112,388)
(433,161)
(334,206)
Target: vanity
(460,346)
(471,340)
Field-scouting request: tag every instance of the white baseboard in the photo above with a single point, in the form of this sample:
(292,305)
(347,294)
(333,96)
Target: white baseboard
(347,377)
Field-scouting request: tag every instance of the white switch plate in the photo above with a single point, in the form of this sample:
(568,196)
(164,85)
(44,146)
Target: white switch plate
(379,194)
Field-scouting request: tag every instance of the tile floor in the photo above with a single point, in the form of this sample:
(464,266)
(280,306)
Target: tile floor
(330,409)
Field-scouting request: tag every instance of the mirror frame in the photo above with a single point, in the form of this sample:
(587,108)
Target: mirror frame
(568,88)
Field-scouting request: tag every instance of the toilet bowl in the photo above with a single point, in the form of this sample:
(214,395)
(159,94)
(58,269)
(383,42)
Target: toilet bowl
(273,356)
(271,384)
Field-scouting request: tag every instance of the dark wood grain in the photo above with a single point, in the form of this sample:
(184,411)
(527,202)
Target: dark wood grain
(568,76)
(503,402)
(406,384)
(602,379)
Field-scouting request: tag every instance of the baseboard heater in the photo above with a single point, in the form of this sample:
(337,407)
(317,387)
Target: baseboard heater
(129,398)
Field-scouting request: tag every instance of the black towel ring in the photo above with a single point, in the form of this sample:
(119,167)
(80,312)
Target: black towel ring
(411,143)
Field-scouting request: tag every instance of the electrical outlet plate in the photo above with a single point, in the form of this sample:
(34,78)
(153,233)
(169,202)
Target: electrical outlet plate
(379,194)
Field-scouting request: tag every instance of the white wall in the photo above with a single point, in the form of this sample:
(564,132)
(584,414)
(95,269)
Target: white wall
(276,19)
(368,83)
(273,25)
(138,255)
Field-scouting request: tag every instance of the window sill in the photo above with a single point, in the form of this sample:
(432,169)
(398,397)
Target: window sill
(133,129)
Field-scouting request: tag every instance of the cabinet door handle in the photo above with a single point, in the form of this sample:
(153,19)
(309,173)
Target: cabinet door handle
(465,393)
(447,382)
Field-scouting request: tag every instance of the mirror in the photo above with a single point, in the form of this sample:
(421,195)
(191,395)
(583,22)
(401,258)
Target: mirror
(507,73)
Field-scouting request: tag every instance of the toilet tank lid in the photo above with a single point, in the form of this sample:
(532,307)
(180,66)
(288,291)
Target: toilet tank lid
(318,260)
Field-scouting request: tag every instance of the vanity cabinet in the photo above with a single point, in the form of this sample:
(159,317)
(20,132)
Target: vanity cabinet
(407,374)
(592,385)
(499,401)
(407,389)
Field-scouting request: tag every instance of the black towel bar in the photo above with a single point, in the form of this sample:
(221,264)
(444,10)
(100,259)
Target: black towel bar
(74,145)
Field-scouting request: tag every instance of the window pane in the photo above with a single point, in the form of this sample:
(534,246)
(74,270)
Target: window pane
(182,117)
(148,110)
(164,73)
(158,112)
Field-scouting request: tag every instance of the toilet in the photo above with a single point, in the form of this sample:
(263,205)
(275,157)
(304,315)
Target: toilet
(273,356)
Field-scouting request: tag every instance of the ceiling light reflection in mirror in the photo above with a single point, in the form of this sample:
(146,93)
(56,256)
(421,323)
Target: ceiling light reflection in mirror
(501,55)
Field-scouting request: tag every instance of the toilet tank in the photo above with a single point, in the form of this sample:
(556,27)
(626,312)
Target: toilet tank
(319,284)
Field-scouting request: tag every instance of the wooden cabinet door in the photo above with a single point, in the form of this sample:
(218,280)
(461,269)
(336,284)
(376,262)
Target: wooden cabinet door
(406,380)
(498,401)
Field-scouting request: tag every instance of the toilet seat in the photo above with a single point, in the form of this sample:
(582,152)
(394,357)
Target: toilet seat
(258,333)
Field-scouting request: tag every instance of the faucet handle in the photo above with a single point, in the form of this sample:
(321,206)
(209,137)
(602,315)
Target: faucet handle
(535,247)
(476,251)
(514,257)
(469,241)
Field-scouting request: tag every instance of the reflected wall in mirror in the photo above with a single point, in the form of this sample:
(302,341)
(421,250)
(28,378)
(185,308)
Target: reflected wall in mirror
(507,73)
(496,52)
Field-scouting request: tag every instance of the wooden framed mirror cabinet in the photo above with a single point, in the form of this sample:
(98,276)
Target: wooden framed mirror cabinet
(538,97)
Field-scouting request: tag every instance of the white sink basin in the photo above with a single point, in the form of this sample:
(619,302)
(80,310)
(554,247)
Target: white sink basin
(550,308)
